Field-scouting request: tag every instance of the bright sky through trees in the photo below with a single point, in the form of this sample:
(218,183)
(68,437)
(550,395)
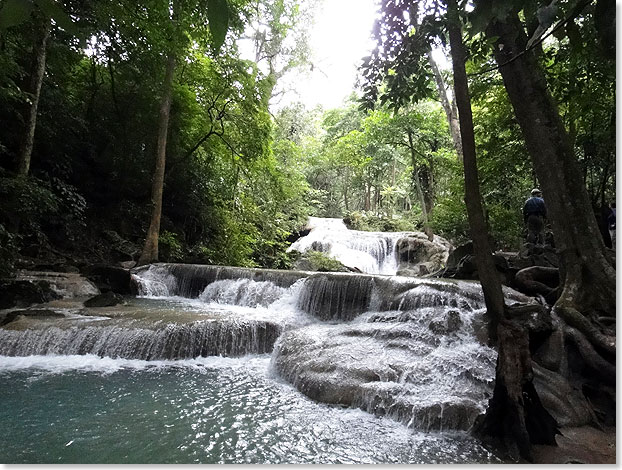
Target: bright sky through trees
(340,37)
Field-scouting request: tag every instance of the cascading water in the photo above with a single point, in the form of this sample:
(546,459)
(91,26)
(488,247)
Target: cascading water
(370,252)
(407,348)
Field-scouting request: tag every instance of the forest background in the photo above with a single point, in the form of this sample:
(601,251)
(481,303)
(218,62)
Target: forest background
(242,176)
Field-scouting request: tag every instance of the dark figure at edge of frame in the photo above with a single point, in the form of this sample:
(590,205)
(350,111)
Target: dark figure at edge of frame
(611,222)
(534,214)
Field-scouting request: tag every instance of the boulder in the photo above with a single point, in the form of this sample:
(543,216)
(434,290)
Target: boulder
(418,256)
(107,299)
(23,293)
(66,284)
(450,324)
(109,278)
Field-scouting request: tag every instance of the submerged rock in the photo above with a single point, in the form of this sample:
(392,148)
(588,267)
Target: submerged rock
(31,313)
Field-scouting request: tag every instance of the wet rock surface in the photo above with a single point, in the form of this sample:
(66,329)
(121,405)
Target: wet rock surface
(107,299)
(40,313)
(388,363)
(579,445)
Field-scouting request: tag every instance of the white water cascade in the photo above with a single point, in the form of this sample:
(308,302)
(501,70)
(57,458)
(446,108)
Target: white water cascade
(370,252)
(408,348)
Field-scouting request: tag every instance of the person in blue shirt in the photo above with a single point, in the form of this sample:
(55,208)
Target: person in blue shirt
(534,214)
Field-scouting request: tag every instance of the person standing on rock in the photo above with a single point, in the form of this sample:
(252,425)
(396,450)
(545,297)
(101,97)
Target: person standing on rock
(534,214)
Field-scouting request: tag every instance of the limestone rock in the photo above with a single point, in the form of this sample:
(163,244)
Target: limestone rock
(66,284)
(418,256)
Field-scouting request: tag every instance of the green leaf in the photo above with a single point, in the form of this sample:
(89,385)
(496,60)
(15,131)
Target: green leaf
(14,12)
(218,18)
(56,12)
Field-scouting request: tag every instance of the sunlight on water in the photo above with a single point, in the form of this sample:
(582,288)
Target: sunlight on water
(95,410)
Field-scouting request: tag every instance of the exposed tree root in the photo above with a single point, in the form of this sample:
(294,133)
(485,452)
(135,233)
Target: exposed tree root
(595,361)
(577,320)
(515,417)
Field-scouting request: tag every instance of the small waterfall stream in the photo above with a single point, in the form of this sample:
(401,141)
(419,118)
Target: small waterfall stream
(370,252)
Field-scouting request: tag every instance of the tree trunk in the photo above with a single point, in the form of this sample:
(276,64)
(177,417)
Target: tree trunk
(420,194)
(448,106)
(150,250)
(515,413)
(42,33)
(491,284)
(588,272)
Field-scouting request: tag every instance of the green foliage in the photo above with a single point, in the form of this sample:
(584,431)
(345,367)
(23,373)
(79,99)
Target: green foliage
(369,222)
(27,199)
(8,252)
(318,261)
(170,247)
(218,17)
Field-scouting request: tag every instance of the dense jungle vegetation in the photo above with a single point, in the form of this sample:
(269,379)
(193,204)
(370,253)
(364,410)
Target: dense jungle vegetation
(142,131)
(240,178)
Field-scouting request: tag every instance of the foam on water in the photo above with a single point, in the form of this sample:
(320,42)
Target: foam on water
(59,364)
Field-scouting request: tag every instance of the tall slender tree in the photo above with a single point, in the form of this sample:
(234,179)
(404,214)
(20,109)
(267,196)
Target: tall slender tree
(218,15)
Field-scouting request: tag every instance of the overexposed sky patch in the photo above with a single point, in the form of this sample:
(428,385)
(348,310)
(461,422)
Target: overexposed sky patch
(340,38)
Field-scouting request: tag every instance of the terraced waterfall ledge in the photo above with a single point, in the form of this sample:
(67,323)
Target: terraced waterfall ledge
(412,349)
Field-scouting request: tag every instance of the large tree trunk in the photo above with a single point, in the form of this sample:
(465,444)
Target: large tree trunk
(42,34)
(515,413)
(150,250)
(588,272)
(491,284)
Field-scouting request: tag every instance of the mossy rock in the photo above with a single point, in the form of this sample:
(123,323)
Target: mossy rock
(318,261)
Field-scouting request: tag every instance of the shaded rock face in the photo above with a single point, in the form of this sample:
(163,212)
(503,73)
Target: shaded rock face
(23,293)
(417,256)
(109,278)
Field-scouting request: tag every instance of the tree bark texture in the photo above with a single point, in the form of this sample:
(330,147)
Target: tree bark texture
(515,413)
(515,416)
(588,273)
(42,33)
(150,250)
(491,284)
(449,107)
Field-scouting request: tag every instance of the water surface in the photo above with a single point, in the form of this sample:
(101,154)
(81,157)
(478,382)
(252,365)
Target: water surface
(86,409)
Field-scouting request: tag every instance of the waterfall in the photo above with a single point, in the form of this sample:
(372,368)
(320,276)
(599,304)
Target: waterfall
(413,349)
(370,252)
(173,341)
